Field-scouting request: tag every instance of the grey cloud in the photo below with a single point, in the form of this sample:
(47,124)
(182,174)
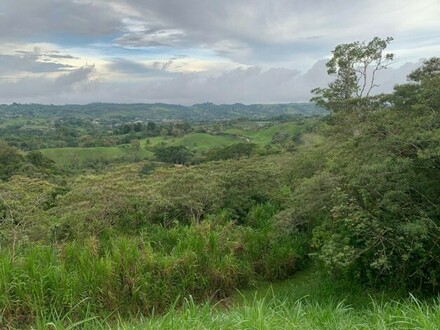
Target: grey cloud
(163,65)
(67,80)
(30,62)
(51,55)
(135,68)
(24,19)
(239,85)
(392,76)
(141,34)
(32,89)
(251,85)
(57,56)
(257,33)
(290,25)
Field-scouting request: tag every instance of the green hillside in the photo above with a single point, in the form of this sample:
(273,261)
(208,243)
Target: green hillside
(73,157)
(193,141)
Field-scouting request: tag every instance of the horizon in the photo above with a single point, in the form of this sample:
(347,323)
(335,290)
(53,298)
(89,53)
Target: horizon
(154,103)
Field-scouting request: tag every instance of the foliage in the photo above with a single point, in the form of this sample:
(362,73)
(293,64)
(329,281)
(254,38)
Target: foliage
(383,225)
(10,161)
(36,126)
(234,151)
(173,154)
(22,204)
(355,66)
(307,301)
(33,164)
(145,273)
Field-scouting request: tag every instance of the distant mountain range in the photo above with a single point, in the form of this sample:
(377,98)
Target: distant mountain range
(159,112)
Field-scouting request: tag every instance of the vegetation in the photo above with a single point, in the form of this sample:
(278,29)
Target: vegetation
(95,157)
(348,203)
(355,66)
(382,223)
(34,163)
(34,126)
(173,154)
(307,301)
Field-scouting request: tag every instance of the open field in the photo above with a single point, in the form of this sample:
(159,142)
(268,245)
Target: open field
(264,135)
(193,141)
(199,142)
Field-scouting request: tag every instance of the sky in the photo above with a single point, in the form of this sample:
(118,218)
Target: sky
(194,51)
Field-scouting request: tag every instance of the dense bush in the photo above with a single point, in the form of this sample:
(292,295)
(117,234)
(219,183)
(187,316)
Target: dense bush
(173,154)
(32,164)
(382,221)
(234,151)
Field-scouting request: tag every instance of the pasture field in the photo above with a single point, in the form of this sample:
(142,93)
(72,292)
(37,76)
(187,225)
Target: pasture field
(198,142)
(263,135)
(193,141)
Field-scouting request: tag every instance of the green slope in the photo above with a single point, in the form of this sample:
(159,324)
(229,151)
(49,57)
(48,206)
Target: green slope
(71,157)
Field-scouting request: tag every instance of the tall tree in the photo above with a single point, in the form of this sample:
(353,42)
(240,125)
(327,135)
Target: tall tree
(355,66)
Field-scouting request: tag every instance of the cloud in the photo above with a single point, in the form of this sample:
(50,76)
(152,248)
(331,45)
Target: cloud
(66,81)
(23,19)
(229,51)
(44,87)
(33,62)
(240,30)
(239,85)
(141,34)
(244,85)
(131,67)
(163,65)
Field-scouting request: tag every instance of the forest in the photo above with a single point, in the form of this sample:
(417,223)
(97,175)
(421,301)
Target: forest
(241,217)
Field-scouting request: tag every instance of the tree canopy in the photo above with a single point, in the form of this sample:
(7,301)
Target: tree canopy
(355,66)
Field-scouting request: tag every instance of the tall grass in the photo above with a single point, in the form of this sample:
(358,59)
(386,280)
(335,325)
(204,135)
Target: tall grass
(125,276)
(127,283)
(270,312)
(186,277)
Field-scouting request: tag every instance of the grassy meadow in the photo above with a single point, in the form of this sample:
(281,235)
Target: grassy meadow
(247,132)
(193,141)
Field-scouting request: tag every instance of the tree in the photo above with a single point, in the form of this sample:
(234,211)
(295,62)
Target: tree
(381,223)
(11,161)
(37,159)
(173,154)
(430,69)
(234,151)
(423,88)
(355,66)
